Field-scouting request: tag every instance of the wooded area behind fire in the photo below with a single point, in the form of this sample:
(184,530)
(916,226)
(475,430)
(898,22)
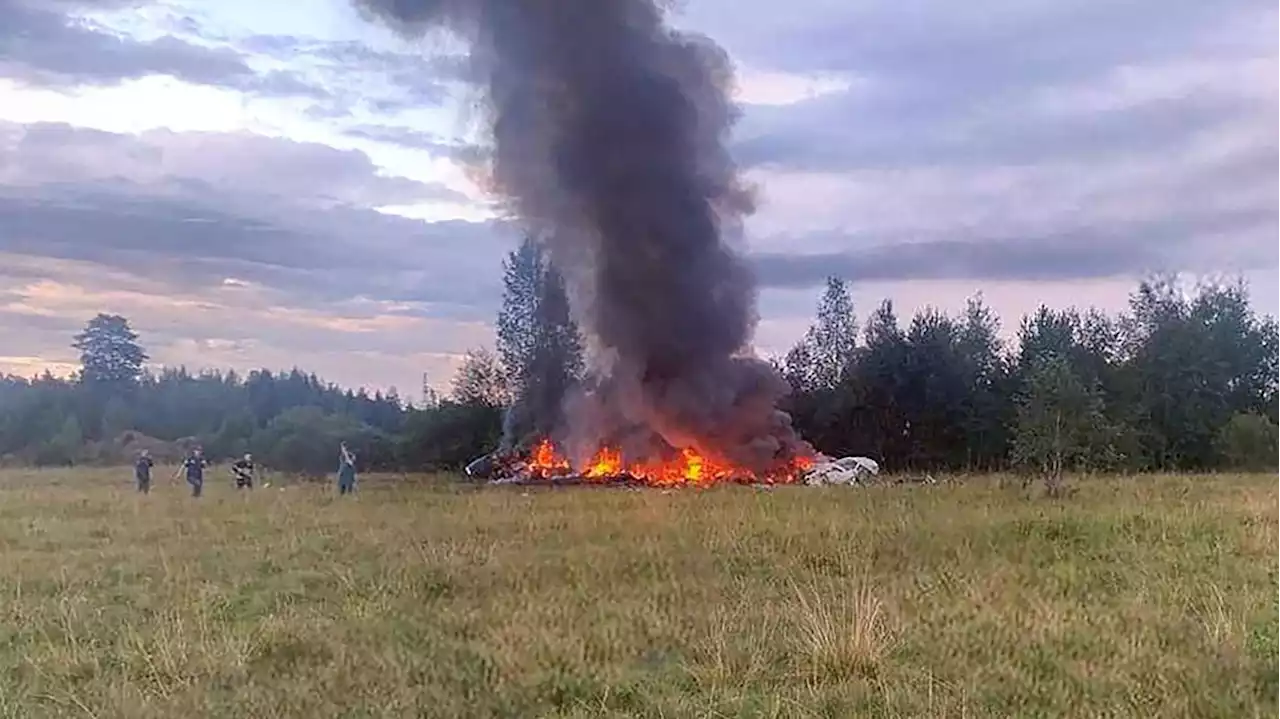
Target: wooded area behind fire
(1181,381)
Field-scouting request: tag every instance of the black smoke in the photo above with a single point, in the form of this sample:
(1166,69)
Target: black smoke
(609,138)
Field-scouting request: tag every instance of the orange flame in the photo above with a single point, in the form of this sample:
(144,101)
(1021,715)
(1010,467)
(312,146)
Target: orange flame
(688,468)
(606,463)
(545,461)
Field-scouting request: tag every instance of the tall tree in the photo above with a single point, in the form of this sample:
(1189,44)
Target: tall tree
(797,368)
(557,357)
(881,381)
(935,391)
(817,367)
(554,365)
(1058,422)
(986,415)
(430,397)
(522,276)
(109,352)
(830,346)
(1196,360)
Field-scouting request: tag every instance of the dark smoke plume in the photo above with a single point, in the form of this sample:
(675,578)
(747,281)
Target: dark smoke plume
(609,133)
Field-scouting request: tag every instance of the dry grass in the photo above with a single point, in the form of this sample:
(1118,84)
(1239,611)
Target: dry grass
(1139,597)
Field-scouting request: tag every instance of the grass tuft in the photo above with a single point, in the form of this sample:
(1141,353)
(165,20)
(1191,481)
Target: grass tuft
(841,632)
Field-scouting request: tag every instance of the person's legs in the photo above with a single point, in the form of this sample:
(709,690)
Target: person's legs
(144,485)
(196,486)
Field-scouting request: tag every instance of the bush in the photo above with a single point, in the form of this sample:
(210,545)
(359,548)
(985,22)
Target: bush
(306,439)
(1249,442)
(450,435)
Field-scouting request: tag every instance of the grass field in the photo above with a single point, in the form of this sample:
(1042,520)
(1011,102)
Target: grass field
(1146,597)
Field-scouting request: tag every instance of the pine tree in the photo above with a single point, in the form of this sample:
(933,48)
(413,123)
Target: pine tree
(986,375)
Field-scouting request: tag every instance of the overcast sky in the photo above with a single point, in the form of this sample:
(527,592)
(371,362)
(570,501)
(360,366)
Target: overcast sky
(269,183)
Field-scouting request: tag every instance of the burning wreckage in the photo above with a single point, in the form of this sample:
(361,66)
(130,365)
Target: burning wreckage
(609,132)
(544,465)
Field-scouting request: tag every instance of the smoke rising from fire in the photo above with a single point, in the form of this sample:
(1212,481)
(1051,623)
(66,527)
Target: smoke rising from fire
(609,133)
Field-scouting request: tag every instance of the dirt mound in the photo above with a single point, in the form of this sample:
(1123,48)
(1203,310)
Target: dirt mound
(127,445)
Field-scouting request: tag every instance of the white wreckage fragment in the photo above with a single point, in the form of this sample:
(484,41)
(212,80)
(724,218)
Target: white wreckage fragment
(846,470)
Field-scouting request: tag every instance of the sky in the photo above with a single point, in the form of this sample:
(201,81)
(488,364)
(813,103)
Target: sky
(272,185)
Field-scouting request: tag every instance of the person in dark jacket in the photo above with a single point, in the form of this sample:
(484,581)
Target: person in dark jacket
(194,466)
(346,470)
(243,470)
(142,471)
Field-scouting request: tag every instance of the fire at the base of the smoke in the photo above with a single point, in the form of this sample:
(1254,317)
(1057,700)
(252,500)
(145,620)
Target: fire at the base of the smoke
(686,467)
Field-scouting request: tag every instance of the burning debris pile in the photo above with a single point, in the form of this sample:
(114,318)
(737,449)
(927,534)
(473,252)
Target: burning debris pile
(544,465)
(609,134)
(685,468)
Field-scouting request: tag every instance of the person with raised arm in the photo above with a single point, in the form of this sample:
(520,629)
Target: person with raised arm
(346,469)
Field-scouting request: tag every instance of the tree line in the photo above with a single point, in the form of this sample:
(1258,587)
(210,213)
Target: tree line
(1184,380)
(113,407)
(1181,381)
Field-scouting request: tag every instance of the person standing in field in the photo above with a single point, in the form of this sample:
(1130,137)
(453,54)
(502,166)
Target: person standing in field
(142,471)
(346,469)
(243,470)
(194,465)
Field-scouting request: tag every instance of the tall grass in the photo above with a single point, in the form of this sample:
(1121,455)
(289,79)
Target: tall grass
(1142,597)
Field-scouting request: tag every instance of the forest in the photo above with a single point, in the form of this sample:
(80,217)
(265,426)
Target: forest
(1184,380)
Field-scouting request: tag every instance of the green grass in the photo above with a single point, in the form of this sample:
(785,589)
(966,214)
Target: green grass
(1141,597)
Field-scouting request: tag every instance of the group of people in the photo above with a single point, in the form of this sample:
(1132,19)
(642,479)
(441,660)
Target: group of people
(243,469)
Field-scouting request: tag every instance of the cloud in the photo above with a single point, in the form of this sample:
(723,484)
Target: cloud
(250,164)
(197,208)
(812,137)
(1012,141)
(237,250)
(381,81)
(418,139)
(925,150)
(1012,82)
(935,53)
(54,43)
(1117,250)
